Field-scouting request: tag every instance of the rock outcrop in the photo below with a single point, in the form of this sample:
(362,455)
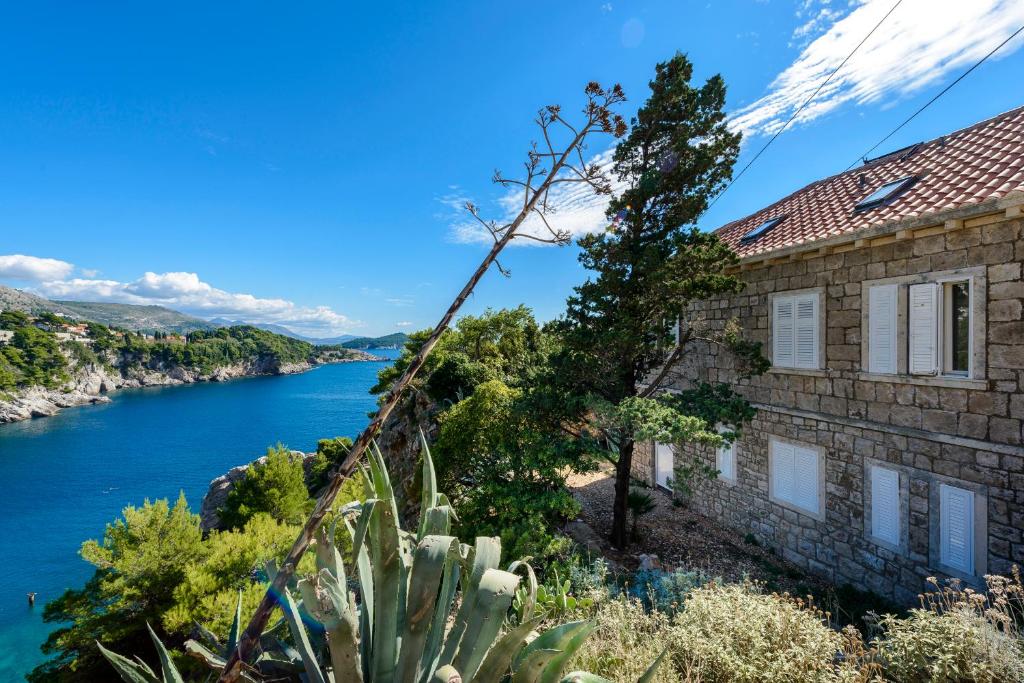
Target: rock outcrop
(217,494)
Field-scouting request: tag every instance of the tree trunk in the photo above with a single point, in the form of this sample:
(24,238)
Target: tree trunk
(620,509)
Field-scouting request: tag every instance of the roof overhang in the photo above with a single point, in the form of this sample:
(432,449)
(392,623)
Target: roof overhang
(983,213)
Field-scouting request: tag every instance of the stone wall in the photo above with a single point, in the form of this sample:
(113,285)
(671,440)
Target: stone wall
(966,432)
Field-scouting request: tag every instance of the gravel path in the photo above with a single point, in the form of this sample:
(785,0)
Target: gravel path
(681,538)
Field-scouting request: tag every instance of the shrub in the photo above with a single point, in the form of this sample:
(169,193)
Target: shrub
(627,639)
(664,591)
(276,486)
(958,634)
(736,633)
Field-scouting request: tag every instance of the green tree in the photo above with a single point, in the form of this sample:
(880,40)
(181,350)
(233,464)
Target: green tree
(12,320)
(139,562)
(329,454)
(648,266)
(276,486)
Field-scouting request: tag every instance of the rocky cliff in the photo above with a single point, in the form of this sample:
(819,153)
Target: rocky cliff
(90,384)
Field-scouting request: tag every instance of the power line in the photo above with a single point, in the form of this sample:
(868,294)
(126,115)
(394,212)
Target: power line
(802,106)
(932,100)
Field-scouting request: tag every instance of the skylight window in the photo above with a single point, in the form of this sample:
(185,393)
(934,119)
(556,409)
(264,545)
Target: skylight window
(761,229)
(885,193)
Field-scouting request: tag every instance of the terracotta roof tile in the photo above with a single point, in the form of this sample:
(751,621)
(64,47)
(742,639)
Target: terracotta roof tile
(969,166)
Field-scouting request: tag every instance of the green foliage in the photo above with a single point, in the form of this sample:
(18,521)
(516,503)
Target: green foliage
(233,563)
(329,454)
(506,468)
(140,561)
(32,357)
(651,263)
(276,485)
(12,320)
(639,504)
(958,635)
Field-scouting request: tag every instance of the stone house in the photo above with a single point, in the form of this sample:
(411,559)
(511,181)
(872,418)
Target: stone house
(887,442)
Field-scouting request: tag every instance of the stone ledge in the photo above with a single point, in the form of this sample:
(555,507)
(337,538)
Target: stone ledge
(910,432)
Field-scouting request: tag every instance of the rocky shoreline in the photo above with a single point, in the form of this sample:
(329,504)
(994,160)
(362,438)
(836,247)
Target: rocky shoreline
(91,384)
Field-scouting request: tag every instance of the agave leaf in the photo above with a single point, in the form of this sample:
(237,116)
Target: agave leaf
(498,661)
(531,665)
(428,496)
(327,555)
(432,557)
(236,626)
(130,671)
(361,559)
(554,639)
(442,610)
(583,677)
(386,564)
(212,641)
(653,668)
(169,672)
(301,638)
(205,655)
(553,670)
(530,604)
(491,603)
(485,555)
(342,632)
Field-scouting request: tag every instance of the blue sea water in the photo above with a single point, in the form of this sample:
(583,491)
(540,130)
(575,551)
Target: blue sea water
(63,478)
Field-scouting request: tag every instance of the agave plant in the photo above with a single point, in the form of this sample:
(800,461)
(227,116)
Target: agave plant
(406,623)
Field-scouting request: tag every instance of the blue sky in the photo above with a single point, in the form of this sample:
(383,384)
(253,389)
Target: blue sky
(302,164)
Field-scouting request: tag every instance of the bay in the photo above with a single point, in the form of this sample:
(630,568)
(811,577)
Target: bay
(63,478)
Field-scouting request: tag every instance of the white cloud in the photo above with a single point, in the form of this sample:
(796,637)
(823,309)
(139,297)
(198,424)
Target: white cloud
(920,44)
(403,323)
(185,292)
(573,207)
(33,268)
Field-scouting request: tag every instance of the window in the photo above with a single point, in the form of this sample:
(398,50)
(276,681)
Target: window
(956,320)
(795,336)
(956,528)
(761,229)
(885,504)
(794,475)
(882,328)
(663,465)
(940,328)
(725,459)
(886,193)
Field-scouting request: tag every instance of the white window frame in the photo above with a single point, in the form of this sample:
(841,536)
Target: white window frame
(672,455)
(945,490)
(795,297)
(873,527)
(775,446)
(726,453)
(976,279)
(945,334)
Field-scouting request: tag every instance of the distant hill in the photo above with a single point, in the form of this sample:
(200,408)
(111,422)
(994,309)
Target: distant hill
(17,300)
(135,317)
(281,329)
(395,340)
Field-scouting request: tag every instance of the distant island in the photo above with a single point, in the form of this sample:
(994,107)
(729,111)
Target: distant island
(54,355)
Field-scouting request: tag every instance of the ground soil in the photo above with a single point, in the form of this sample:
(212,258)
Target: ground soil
(682,538)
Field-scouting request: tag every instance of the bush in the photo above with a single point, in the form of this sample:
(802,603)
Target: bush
(664,591)
(627,639)
(736,633)
(958,635)
(277,486)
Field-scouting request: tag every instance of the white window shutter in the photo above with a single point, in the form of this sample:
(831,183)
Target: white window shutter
(805,476)
(956,521)
(663,464)
(782,332)
(885,504)
(882,328)
(924,327)
(783,458)
(806,334)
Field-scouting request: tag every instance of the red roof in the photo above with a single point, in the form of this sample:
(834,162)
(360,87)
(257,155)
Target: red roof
(969,166)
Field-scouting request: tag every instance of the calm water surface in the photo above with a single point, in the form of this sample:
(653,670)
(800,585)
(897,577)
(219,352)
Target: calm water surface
(64,477)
